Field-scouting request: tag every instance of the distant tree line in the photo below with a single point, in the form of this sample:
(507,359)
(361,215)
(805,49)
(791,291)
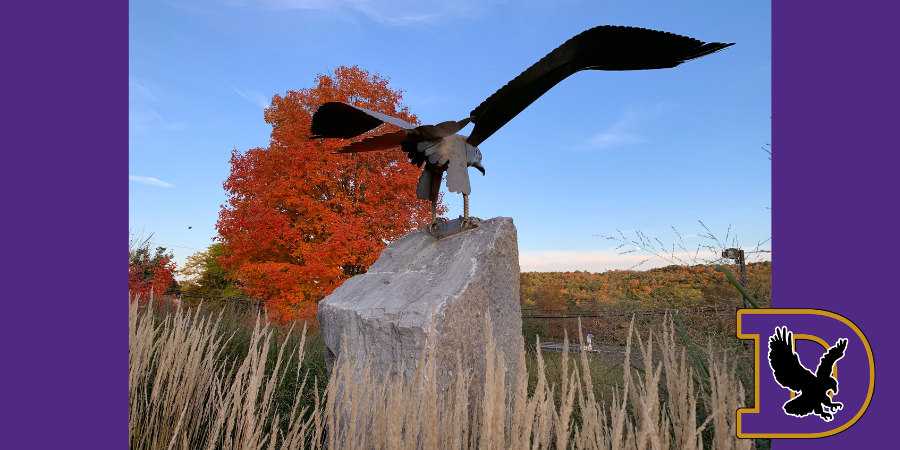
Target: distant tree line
(666,287)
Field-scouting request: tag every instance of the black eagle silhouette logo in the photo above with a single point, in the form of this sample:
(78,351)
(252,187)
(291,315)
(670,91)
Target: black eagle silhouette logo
(812,387)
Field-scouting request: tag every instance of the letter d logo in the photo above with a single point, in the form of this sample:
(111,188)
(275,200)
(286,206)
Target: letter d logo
(814,373)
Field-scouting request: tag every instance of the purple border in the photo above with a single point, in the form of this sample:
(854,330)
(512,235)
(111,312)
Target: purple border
(834,197)
(834,190)
(65,141)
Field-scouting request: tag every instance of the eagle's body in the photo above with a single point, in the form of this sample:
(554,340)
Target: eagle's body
(452,154)
(440,149)
(813,388)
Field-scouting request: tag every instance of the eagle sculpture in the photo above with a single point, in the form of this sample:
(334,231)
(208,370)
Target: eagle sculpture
(813,387)
(440,149)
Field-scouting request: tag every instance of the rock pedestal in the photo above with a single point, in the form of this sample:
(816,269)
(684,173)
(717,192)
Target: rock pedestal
(422,285)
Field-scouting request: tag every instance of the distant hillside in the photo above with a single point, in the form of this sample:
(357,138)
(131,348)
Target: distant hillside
(665,287)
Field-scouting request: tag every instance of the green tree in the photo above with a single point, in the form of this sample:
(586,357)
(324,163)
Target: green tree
(207,278)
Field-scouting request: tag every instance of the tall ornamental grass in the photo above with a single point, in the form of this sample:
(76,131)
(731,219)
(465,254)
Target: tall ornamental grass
(191,387)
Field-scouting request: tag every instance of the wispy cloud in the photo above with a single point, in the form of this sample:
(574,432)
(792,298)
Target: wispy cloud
(193,9)
(255,97)
(137,90)
(611,139)
(141,115)
(625,130)
(252,96)
(150,180)
(141,119)
(392,12)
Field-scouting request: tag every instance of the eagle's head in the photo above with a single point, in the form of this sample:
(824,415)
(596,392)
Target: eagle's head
(473,157)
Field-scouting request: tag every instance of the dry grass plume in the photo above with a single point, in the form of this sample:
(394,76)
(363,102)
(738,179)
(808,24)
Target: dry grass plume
(185,392)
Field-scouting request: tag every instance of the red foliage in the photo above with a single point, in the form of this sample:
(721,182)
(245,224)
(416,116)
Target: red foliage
(146,275)
(301,219)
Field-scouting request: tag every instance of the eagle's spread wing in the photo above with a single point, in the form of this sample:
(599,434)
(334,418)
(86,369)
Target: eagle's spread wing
(380,142)
(441,130)
(786,366)
(600,48)
(340,120)
(407,136)
(826,364)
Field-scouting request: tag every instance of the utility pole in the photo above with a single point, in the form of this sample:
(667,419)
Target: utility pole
(738,255)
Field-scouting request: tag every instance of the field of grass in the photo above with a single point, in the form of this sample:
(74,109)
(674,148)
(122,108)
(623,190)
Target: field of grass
(209,380)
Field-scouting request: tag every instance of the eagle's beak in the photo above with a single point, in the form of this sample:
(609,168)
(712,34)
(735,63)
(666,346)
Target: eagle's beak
(479,167)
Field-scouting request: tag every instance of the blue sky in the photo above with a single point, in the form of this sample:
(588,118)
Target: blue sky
(647,150)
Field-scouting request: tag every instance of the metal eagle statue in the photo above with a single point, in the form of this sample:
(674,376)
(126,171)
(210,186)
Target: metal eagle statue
(440,149)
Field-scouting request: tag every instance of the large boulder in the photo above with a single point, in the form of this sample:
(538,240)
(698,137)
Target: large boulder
(422,284)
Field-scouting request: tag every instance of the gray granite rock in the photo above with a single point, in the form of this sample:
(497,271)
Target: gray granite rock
(422,285)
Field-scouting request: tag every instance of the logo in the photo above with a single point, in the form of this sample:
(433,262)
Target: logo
(798,354)
(812,387)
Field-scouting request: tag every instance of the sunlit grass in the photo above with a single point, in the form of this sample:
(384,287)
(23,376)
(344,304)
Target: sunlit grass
(209,381)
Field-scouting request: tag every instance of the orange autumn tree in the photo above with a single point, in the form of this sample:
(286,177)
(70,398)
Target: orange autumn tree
(301,219)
